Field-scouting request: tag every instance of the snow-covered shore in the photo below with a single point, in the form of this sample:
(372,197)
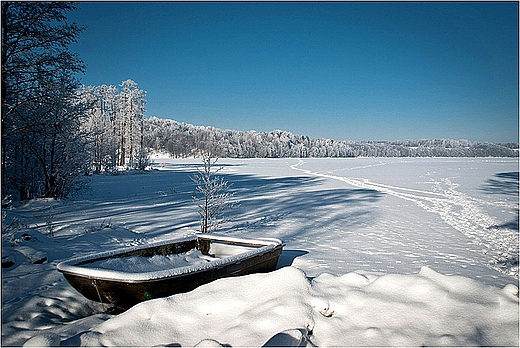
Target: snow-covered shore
(427,309)
(381,252)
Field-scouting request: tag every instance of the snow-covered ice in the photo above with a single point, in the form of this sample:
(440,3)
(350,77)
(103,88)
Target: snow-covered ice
(379,251)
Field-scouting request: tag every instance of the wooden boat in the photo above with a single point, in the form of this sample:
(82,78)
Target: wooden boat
(127,276)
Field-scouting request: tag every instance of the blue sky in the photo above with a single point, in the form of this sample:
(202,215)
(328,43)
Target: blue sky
(339,70)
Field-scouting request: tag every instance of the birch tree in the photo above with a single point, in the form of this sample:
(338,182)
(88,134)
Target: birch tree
(116,125)
(131,109)
(100,127)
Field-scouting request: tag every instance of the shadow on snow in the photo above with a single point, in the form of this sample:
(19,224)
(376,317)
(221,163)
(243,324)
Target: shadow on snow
(505,183)
(161,202)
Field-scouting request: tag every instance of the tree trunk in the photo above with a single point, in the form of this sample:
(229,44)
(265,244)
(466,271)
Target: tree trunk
(123,152)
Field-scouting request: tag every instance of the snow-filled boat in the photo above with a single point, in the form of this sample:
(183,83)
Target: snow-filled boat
(127,276)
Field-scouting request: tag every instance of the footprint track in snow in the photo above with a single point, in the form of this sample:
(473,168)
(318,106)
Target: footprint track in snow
(457,209)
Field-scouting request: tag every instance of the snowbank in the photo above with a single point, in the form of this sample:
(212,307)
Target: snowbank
(285,307)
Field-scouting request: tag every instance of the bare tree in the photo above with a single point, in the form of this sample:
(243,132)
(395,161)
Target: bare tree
(39,110)
(212,195)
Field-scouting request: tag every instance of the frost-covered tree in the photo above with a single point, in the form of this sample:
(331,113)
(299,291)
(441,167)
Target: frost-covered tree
(101,127)
(39,105)
(131,109)
(116,126)
(182,140)
(212,195)
(58,143)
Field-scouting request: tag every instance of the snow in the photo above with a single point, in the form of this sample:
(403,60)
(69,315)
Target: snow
(379,251)
(349,310)
(139,264)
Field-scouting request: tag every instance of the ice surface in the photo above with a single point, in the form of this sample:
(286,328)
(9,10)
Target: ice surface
(394,252)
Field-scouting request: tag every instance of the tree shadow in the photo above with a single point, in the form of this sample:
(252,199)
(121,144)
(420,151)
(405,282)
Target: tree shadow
(192,166)
(512,225)
(314,210)
(160,202)
(503,183)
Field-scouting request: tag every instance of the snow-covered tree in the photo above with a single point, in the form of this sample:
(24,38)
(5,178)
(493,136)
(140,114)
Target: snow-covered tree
(130,111)
(39,106)
(131,108)
(212,195)
(181,140)
(116,126)
(101,127)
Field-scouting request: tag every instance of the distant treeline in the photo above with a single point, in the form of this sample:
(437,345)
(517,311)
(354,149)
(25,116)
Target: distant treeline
(186,140)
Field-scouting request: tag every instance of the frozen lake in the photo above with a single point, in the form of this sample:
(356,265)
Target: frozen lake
(385,215)
(376,217)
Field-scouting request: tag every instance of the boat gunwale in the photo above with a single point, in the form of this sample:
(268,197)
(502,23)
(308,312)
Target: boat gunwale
(72,267)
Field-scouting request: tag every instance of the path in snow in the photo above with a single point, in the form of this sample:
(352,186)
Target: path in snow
(459,210)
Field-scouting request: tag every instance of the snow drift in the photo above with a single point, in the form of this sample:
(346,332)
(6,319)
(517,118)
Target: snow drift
(285,307)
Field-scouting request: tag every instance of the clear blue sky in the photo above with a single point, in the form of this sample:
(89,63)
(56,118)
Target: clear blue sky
(341,70)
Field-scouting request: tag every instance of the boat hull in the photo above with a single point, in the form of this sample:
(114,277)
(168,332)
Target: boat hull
(124,293)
